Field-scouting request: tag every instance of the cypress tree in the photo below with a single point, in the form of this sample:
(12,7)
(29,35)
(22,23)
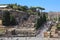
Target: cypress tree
(6,18)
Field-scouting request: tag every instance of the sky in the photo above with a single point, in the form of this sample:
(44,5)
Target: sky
(49,5)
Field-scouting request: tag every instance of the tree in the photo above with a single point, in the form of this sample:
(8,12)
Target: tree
(31,12)
(24,8)
(10,6)
(12,21)
(33,9)
(20,8)
(44,18)
(6,18)
(59,18)
(15,6)
(40,8)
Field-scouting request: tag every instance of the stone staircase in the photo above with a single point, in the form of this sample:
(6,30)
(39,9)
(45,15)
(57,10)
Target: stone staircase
(27,26)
